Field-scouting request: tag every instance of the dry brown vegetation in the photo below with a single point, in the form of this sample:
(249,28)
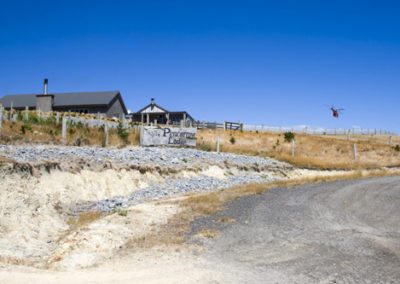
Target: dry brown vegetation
(84,219)
(311,151)
(208,233)
(49,133)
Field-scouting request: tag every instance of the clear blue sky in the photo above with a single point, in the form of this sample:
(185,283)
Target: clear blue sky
(279,63)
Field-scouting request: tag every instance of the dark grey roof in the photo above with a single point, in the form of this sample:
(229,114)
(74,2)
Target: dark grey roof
(62,99)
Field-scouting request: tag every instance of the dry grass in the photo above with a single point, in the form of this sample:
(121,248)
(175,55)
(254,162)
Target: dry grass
(171,234)
(312,151)
(226,219)
(5,160)
(84,219)
(208,233)
(50,133)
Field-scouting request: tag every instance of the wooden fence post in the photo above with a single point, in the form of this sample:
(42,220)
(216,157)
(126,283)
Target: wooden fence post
(26,114)
(218,144)
(355,151)
(64,130)
(57,118)
(1,117)
(106,134)
(293,147)
(167,117)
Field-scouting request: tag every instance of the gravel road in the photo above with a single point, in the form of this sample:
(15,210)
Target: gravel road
(340,232)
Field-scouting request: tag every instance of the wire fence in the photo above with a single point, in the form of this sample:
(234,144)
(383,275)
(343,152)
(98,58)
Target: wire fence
(318,131)
(99,121)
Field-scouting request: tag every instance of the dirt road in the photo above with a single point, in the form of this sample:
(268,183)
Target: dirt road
(340,232)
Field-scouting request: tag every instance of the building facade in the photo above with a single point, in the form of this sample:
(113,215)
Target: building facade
(108,103)
(153,113)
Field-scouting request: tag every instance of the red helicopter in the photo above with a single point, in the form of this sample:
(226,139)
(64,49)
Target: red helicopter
(336,112)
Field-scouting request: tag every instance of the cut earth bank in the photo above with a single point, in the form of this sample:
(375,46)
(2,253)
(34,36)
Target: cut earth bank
(68,208)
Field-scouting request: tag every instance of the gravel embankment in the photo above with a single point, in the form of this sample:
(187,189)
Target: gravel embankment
(162,157)
(212,170)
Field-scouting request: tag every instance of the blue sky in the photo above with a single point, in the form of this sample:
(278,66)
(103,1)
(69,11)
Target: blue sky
(279,63)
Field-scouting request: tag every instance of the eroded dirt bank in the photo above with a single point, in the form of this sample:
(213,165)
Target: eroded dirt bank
(71,208)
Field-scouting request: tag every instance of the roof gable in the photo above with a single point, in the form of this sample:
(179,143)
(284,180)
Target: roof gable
(152,108)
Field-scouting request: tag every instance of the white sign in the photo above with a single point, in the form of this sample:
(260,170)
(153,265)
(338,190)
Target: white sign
(168,136)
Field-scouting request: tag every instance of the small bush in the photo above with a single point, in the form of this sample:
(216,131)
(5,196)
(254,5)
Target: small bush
(25,127)
(397,148)
(81,141)
(78,142)
(289,136)
(120,212)
(52,132)
(71,130)
(205,147)
(232,140)
(122,132)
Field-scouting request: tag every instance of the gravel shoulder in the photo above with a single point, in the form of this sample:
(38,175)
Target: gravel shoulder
(339,232)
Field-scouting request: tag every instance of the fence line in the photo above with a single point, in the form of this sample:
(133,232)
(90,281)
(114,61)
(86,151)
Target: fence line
(98,121)
(319,131)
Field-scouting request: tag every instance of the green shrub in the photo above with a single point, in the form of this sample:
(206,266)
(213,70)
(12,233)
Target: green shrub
(289,136)
(122,132)
(205,147)
(25,127)
(397,148)
(71,130)
(232,140)
(120,212)
(52,132)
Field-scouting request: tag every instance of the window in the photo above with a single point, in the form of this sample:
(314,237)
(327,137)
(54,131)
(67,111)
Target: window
(80,110)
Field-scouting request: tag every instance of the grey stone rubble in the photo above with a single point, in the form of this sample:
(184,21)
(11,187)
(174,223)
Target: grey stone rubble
(176,158)
(171,188)
(163,157)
